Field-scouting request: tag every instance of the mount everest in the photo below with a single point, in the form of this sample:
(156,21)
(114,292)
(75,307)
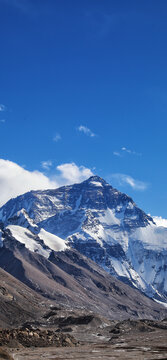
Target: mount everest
(101,223)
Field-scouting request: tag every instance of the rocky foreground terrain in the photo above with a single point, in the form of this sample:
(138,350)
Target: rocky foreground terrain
(141,339)
(34,327)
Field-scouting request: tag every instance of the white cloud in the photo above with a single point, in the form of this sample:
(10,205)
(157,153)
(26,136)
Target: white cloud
(46,164)
(15,180)
(57,137)
(123,179)
(86,130)
(160,221)
(2,107)
(71,173)
(2,120)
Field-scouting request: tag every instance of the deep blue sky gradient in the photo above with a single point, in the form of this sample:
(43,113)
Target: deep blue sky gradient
(101,64)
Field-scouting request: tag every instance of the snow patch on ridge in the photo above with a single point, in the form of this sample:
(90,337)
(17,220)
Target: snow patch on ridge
(161,303)
(43,243)
(27,238)
(52,241)
(108,217)
(96,183)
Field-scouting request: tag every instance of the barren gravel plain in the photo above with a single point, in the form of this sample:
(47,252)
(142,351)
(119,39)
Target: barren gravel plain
(139,340)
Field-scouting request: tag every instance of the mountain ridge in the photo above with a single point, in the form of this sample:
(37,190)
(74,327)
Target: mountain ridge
(75,282)
(101,223)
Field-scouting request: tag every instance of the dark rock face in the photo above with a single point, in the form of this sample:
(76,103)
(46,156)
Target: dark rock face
(85,200)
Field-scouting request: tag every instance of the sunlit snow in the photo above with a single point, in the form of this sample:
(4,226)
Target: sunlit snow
(96,183)
(25,237)
(52,241)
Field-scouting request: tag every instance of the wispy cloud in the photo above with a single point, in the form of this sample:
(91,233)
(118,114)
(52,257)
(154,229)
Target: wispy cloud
(2,107)
(46,165)
(124,150)
(2,120)
(57,137)
(117,153)
(86,130)
(123,179)
(129,151)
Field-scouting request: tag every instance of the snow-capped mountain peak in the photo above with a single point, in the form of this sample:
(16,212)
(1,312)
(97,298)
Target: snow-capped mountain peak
(103,224)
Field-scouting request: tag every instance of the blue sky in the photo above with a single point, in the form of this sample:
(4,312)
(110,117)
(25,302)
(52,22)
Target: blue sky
(84,83)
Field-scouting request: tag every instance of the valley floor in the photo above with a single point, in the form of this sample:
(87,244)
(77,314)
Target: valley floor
(140,346)
(99,352)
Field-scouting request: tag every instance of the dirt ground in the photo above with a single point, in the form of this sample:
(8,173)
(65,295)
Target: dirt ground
(86,338)
(140,346)
(97,352)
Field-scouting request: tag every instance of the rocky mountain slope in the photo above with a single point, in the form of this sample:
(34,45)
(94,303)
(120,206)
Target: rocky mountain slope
(98,221)
(75,282)
(18,303)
